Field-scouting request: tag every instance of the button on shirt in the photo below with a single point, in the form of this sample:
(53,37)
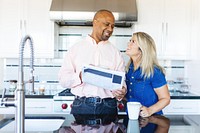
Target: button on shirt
(141,89)
(86,52)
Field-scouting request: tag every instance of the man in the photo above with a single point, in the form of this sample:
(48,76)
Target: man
(95,50)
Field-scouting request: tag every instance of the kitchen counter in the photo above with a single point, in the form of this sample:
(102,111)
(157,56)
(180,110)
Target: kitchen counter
(46,94)
(181,95)
(121,124)
(51,103)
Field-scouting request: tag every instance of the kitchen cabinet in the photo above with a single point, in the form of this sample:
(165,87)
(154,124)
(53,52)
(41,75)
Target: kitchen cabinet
(169,23)
(39,106)
(22,17)
(192,66)
(49,106)
(10,27)
(32,106)
(182,107)
(195,29)
(182,129)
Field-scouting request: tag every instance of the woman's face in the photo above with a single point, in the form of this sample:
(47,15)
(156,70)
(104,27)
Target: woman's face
(133,49)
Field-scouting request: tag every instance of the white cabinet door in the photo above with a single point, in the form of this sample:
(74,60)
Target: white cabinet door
(21,17)
(195,29)
(181,129)
(150,20)
(169,23)
(182,107)
(10,27)
(38,106)
(39,27)
(32,106)
(177,29)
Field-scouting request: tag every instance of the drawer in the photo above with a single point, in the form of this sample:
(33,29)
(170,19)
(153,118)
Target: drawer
(182,107)
(181,129)
(32,106)
(39,106)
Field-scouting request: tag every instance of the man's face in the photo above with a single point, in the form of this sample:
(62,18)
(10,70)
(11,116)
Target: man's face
(104,27)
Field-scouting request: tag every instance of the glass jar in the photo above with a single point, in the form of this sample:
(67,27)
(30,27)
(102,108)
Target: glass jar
(12,85)
(42,87)
(185,88)
(171,87)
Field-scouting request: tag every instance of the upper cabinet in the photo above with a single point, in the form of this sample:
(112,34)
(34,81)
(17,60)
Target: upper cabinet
(10,27)
(26,17)
(195,30)
(40,27)
(169,23)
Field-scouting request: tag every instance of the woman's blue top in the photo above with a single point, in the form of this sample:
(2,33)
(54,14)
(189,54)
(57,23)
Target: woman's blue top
(141,89)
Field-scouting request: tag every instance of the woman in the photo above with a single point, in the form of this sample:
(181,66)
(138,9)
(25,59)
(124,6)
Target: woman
(145,78)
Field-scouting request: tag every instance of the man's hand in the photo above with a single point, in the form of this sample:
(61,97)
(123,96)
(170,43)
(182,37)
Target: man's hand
(119,93)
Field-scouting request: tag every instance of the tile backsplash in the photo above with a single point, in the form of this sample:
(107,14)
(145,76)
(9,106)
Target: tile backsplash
(44,70)
(47,70)
(67,36)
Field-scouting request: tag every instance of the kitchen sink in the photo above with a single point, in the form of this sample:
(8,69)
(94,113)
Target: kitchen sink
(35,124)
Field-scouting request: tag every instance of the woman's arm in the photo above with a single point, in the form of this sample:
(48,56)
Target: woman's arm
(163,101)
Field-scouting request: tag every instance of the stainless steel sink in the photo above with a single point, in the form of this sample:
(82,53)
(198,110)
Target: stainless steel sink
(35,124)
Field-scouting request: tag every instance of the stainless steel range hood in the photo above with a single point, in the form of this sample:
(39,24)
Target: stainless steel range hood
(81,12)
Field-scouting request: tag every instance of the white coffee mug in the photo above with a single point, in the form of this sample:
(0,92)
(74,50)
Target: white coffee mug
(133,110)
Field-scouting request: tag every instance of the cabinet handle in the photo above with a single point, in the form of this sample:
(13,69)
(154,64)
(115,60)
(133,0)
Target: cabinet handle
(20,25)
(182,108)
(165,25)
(39,107)
(25,27)
(166,29)
(162,37)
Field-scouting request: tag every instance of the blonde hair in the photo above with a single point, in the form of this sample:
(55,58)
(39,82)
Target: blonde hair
(149,56)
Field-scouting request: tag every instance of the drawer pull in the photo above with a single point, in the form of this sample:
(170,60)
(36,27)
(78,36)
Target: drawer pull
(182,108)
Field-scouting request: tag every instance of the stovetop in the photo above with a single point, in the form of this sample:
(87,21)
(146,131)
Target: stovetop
(64,95)
(182,95)
(66,92)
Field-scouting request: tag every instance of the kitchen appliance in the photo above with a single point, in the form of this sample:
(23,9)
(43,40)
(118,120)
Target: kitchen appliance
(81,12)
(64,99)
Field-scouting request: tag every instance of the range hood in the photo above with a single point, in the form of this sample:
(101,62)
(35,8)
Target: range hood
(81,12)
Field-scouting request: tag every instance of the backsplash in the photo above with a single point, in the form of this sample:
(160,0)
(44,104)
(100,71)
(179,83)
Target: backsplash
(44,70)
(47,70)
(66,36)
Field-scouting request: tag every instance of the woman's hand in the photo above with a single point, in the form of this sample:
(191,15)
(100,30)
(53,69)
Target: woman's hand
(145,112)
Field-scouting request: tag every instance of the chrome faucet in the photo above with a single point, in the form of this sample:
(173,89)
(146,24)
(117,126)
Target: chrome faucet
(19,100)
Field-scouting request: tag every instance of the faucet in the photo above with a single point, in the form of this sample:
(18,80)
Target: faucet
(19,101)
